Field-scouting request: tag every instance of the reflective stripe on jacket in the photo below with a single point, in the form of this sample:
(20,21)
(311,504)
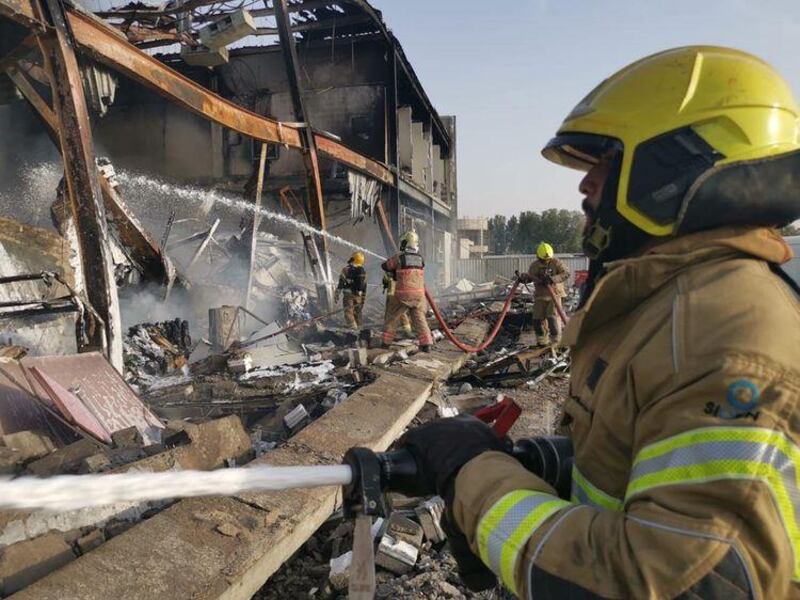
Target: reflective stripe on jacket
(685,417)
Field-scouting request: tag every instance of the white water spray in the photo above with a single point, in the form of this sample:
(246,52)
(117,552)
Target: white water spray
(200,196)
(71,492)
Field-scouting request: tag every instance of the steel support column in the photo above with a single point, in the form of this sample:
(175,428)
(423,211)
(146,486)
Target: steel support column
(311,159)
(83,185)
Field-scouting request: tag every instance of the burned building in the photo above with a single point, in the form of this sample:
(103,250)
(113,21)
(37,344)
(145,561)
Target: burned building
(357,85)
(310,110)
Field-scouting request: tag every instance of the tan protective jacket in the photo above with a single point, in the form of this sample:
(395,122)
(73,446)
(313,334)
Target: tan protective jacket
(685,416)
(557,271)
(408,270)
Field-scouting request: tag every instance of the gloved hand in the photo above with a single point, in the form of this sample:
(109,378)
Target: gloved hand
(546,279)
(475,575)
(524,278)
(442,447)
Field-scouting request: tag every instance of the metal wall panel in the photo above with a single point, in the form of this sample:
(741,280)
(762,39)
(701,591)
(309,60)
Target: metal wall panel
(479,270)
(91,378)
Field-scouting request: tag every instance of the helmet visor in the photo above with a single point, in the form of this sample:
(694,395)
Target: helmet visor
(580,151)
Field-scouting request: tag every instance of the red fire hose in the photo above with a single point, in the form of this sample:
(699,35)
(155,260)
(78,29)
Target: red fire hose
(557,302)
(493,333)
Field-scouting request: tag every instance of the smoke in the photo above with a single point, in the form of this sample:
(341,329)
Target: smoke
(24,144)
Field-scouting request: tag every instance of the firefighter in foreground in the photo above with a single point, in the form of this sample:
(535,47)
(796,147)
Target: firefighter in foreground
(408,271)
(546,272)
(684,405)
(353,287)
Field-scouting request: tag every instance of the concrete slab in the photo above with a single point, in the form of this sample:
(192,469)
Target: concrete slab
(211,444)
(181,552)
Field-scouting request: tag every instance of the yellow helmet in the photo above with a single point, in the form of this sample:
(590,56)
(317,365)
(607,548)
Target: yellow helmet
(696,137)
(409,240)
(544,251)
(357,259)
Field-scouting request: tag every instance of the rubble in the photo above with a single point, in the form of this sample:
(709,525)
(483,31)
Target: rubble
(152,350)
(429,515)
(296,418)
(420,566)
(398,549)
(25,562)
(29,445)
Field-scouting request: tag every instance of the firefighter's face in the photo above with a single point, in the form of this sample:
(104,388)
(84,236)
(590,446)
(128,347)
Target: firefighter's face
(591,187)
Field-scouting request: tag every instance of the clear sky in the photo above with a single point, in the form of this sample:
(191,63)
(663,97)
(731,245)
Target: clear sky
(510,70)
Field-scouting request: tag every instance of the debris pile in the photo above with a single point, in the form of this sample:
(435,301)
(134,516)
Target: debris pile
(412,559)
(33,544)
(153,350)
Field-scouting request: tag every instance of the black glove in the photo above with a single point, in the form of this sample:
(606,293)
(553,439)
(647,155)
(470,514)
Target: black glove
(475,575)
(524,278)
(442,447)
(545,279)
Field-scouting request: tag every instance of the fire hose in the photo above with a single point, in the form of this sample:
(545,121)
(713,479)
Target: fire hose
(503,313)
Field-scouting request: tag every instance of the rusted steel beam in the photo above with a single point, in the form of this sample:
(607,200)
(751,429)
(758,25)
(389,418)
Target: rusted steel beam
(202,18)
(105,45)
(145,250)
(22,12)
(314,196)
(341,153)
(386,229)
(83,184)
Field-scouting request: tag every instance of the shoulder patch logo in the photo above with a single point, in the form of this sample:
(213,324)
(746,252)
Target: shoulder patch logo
(741,401)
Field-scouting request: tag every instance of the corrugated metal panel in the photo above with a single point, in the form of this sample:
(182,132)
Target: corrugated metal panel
(91,378)
(487,268)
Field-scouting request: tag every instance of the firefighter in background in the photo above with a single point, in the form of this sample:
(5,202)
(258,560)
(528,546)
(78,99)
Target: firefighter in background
(389,285)
(546,271)
(408,271)
(353,287)
(684,405)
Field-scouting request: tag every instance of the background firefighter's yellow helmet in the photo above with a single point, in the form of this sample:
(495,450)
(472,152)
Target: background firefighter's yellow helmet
(544,251)
(357,259)
(700,135)
(409,240)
